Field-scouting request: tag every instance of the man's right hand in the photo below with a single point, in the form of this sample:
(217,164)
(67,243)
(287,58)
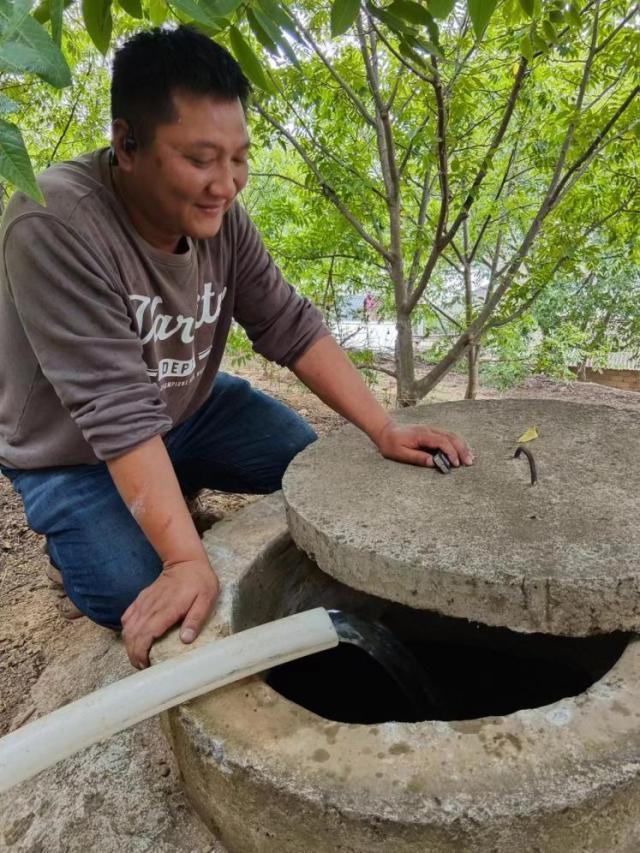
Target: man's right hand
(186,589)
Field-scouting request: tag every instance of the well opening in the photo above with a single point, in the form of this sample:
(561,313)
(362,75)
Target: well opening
(477,670)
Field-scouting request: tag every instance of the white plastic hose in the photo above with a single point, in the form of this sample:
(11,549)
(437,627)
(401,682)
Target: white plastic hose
(99,715)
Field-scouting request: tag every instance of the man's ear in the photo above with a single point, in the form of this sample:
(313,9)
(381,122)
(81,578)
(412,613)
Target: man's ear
(123,145)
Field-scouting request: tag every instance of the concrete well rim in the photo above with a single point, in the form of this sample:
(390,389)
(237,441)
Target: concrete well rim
(529,762)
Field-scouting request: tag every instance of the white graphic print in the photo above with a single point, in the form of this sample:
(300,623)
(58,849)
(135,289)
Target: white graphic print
(176,367)
(161,327)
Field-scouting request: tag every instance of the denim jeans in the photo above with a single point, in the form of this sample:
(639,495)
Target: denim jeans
(240,440)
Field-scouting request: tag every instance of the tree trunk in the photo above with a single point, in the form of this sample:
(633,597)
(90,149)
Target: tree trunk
(473,359)
(405,368)
(582,371)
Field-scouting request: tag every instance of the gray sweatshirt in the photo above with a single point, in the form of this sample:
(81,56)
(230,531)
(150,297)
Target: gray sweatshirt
(106,341)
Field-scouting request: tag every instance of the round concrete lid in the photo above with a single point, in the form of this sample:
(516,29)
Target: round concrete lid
(561,556)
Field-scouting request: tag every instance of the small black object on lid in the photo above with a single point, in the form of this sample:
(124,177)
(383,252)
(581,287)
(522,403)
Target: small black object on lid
(441,461)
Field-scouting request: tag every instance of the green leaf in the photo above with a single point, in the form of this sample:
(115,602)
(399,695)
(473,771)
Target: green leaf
(273,32)
(539,44)
(270,27)
(526,48)
(158,11)
(222,8)
(43,12)
(15,164)
(441,8)
(528,6)
(434,32)
(13,17)
(410,11)
(411,55)
(573,12)
(131,7)
(199,12)
(98,21)
(343,15)
(280,16)
(419,44)
(397,25)
(556,16)
(250,63)
(260,33)
(31,49)
(480,12)
(8,106)
(56,8)
(414,13)
(549,30)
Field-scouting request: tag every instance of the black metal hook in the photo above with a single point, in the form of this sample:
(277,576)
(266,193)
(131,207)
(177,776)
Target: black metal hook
(532,462)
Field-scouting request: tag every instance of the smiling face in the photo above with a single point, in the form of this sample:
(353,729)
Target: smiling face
(183,181)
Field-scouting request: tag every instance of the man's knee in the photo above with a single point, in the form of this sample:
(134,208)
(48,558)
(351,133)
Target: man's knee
(297,435)
(106,607)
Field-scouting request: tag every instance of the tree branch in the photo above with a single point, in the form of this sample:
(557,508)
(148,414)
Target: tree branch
(553,195)
(584,82)
(477,183)
(356,101)
(401,59)
(585,158)
(331,154)
(388,163)
(378,369)
(493,147)
(487,221)
(283,178)
(422,216)
(443,161)
(410,145)
(327,190)
(634,11)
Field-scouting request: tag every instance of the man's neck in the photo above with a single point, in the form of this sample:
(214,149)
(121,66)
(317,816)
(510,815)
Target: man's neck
(172,244)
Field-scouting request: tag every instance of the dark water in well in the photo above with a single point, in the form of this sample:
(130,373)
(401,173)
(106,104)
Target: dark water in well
(375,675)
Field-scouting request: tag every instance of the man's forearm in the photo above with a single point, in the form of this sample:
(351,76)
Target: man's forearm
(327,371)
(148,485)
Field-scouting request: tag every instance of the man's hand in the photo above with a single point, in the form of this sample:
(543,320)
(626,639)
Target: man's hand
(188,589)
(412,444)
(326,370)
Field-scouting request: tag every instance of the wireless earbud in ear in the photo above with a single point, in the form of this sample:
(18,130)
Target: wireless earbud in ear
(129,143)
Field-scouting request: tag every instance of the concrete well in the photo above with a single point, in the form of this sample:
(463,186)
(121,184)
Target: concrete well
(267,774)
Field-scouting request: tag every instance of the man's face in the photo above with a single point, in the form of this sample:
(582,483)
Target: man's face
(189,175)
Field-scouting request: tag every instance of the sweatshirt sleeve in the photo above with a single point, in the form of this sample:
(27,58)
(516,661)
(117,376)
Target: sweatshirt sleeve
(82,335)
(280,323)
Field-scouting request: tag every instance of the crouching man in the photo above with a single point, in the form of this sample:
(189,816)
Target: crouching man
(116,300)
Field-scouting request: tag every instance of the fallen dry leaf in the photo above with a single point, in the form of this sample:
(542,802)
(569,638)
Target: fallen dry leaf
(530,435)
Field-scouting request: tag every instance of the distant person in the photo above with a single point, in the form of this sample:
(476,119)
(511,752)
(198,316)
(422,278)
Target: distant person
(370,306)
(116,301)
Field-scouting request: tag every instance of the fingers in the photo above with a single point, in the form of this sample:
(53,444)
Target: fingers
(165,602)
(196,616)
(462,448)
(455,447)
(139,636)
(444,442)
(417,457)
(146,619)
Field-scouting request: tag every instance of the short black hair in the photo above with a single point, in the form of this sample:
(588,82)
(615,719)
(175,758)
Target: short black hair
(154,64)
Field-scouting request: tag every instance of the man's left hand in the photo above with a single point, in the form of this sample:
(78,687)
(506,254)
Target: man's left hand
(412,444)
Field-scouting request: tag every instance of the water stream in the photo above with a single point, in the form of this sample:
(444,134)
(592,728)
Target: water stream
(393,657)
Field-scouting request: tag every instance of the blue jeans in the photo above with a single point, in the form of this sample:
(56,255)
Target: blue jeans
(240,440)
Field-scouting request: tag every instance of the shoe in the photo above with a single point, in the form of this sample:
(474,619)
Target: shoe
(66,608)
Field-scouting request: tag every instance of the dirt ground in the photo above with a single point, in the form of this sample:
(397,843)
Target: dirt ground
(126,794)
